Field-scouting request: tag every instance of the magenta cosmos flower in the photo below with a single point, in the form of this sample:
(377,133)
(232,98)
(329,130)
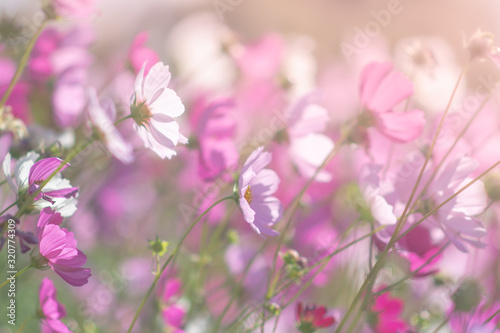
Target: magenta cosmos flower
(381,89)
(154,108)
(387,313)
(52,310)
(310,318)
(256,186)
(57,248)
(29,174)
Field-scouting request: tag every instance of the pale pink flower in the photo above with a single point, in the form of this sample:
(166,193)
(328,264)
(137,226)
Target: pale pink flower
(58,249)
(154,107)
(381,89)
(139,53)
(74,8)
(255,188)
(215,128)
(482,45)
(172,313)
(102,116)
(52,310)
(308,147)
(457,218)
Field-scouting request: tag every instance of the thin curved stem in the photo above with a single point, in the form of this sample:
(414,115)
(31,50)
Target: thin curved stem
(15,276)
(399,226)
(172,255)
(9,207)
(272,281)
(22,64)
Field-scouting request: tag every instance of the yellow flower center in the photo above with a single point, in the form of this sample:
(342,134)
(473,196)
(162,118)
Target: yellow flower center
(248,195)
(141,113)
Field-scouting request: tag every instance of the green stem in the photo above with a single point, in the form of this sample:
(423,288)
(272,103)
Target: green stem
(15,276)
(68,158)
(433,211)
(399,226)
(491,318)
(3,182)
(271,284)
(413,273)
(441,325)
(174,252)
(21,328)
(234,289)
(9,207)
(22,64)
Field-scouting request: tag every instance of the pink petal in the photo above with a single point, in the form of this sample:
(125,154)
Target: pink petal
(42,169)
(401,127)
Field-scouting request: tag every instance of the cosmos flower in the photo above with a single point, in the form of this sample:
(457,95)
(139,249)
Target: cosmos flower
(102,116)
(387,314)
(58,249)
(172,313)
(310,318)
(154,108)
(139,53)
(52,310)
(381,89)
(30,173)
(308,147)
(256,186)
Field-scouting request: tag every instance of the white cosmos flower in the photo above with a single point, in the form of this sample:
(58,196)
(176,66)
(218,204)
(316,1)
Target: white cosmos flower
(154,107)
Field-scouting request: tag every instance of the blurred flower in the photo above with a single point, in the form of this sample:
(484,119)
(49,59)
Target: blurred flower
(102,115)
(139,54)
(28,175)
(457,218)
(17,105)
(311,318)
(386,315)
(52,310)
(172,313)
(215,130)
(23,236)
(58,249)
(154,108)
(9,123)
(308,148)
(74,8)
(381,89)
(255,188)
(481,46)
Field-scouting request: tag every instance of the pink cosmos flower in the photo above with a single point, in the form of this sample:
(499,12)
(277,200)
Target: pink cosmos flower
(74,8)
(255,188)
(28,176)
(154,108)
(52,310)
(308,148)
(139,54)
(172,314)
(457,218)
(215,129)
(58,249)
(388,311)
(18,98)
(312,317)
(102,116)
(381,89)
